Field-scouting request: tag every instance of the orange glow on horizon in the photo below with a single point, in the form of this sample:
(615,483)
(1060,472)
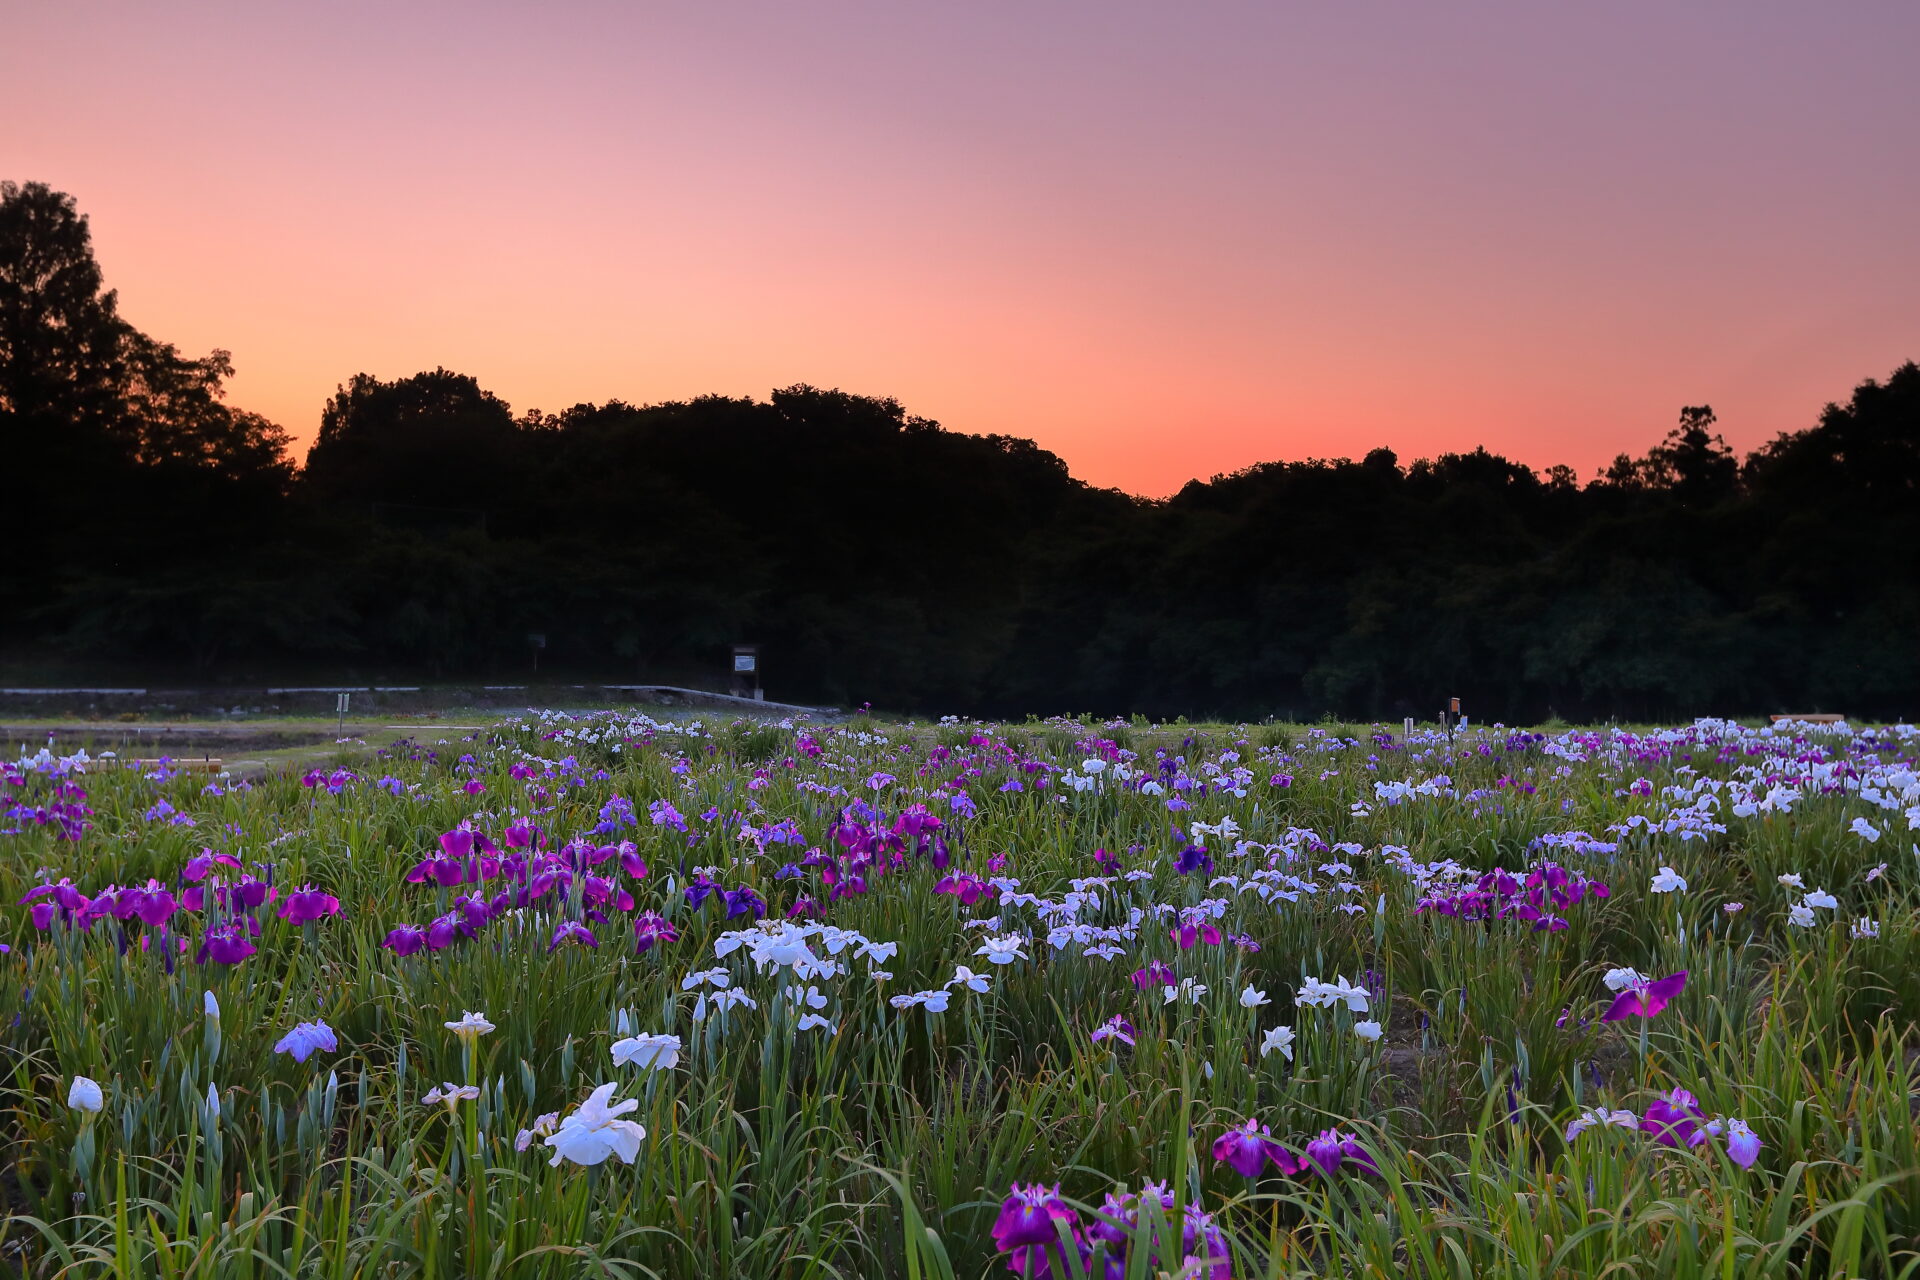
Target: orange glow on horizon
(1163,245)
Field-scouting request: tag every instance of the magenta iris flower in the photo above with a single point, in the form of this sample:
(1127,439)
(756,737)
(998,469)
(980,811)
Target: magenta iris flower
(1157,974)
(443,931)
(200,866)
(228,944)
(404,940)
(1196,926)
(964,886)
(571,931)
(1026,1231)
(151,905)
(249,894)
(303,1040)
(307,904)
(1248,1148)
(1333,1148)
(650,927)
(1204,1242)
(1645,998)
(1027,1216)
(1117,1225)
(1675,1120)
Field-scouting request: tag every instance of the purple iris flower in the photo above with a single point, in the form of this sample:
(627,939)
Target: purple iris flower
(1195,928)
(199,867)
(1027,1216)
(1203,1241)
(664,814)
(404,940)
(744,901)
(1332,1148)
(572,931)
(1115,1028)
(151,905)
(443,931)
(226,945)
(1675,1120)
(1115,1222)
(250,893)
(472,911)
(598,891)
(1248,1148)
(650,927)
(307,904)
(300,1042)
(698,890)
(1193,858)
(964,886)
(1156,974)
(64,895)
(1645,998)
(1117,1225)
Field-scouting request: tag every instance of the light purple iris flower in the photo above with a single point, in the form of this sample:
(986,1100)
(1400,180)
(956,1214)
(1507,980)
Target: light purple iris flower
(301,1042)
(1743,1144)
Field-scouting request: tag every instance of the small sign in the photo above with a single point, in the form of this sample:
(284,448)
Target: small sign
(538,639)
(745,663)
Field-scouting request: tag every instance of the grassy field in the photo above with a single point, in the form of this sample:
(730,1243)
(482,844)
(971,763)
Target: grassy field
(1060,998)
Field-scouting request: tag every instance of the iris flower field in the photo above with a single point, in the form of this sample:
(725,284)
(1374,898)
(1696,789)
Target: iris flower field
(604,996)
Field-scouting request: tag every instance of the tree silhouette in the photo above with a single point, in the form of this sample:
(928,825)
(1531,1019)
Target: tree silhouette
(875,555)
(83,388)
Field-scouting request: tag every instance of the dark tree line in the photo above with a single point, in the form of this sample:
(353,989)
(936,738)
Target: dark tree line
(878,557)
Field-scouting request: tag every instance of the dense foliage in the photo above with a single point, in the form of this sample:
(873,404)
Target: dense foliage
(877,557)
(605,996)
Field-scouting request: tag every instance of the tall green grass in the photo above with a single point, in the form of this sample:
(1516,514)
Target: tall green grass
(885,1149)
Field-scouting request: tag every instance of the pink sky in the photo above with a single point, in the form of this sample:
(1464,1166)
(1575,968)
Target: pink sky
(1163,240)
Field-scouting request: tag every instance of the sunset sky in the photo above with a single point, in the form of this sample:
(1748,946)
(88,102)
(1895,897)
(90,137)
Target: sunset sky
(1164,240)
